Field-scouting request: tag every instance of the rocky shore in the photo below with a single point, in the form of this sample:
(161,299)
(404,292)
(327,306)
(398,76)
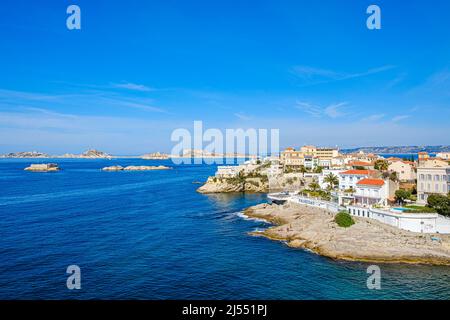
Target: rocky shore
(367,240)
(249,184)
(135,168)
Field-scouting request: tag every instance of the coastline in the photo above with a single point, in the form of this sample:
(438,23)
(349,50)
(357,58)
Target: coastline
(314,229)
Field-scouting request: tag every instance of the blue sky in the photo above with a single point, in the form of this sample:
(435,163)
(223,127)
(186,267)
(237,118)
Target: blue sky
(139,69)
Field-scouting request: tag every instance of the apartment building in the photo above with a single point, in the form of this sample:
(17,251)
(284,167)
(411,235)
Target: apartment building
(432,178)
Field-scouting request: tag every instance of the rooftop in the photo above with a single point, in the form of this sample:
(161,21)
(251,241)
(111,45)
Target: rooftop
(358,172)
(371,182)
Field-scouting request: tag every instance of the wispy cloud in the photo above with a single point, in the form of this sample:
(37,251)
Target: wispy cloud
(133,87)
(334,110)
(374,117)
(311,75)
(99,100)
(400,118)
(242,116)
(309,108)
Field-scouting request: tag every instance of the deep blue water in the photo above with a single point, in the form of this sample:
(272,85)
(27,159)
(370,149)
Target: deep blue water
(404,155)
(149,235)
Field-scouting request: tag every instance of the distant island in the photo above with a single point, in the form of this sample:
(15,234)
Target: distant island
(399,149)
(89,154)
(155,156)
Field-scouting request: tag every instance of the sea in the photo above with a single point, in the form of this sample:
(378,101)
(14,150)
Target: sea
(150,235)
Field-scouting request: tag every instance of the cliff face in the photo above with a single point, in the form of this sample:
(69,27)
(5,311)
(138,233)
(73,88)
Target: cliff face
(218,185)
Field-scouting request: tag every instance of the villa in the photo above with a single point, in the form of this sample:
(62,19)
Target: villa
(405,170)
(433,177)
(374,192)
(348,179)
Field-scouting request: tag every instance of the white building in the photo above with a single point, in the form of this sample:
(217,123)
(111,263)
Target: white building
(415,222)
(443,155)
(432,178)
(372,191)
(348,179)
(228,171)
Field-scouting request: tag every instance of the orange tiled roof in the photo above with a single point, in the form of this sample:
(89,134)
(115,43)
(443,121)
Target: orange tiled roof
(360,163)
(371,182)
(357,172)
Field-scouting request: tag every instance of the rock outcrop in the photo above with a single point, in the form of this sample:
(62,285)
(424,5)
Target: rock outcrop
(43,167)
(249,184)
(113,168)
(367,240)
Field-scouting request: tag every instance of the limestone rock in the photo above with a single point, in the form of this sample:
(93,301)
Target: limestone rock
(43,167)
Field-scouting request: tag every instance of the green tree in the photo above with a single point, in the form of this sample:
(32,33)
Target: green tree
(318,169)
(393,176)
(402,195)
(440,203)
(332,180)
(381,165)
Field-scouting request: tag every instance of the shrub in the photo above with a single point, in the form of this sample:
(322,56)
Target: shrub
(343,219)
(440,203)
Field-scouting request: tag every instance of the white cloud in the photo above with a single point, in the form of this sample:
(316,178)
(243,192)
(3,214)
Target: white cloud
(400,118)
(374,117)
(242,116)
(133,86)
(310,75)
(335,110)
(332,111)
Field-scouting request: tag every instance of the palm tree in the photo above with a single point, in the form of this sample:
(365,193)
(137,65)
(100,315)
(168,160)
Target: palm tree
(314,186)
(332,180)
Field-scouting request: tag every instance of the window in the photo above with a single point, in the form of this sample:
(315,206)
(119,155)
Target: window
(422,177)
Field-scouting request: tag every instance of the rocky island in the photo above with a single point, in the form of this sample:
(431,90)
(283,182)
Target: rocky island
(135,168)
(43,167)
(155,156)
(367,240)
(89,154)
(26,154)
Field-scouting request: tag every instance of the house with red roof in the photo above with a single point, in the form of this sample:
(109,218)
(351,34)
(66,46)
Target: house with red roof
(356,164)
(374,191)
(349,178)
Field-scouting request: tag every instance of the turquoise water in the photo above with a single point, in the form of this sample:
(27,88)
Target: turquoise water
(400,209)
(149,235)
